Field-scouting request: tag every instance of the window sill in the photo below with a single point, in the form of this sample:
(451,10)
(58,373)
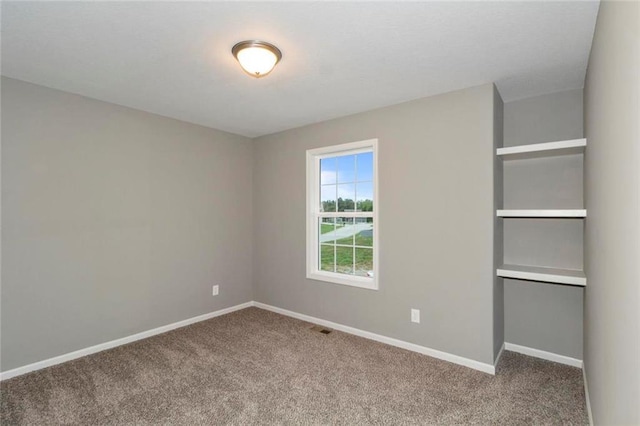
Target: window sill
(352,281)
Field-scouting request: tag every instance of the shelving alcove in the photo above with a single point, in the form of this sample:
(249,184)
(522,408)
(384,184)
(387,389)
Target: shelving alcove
(537,273)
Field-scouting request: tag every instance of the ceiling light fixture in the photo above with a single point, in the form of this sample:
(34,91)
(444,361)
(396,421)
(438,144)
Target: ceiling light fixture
(256,57)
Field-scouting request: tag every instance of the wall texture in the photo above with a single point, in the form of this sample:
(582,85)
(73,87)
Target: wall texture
(612,238)
(544,316)
(498,225)
(114,221)
(436,223)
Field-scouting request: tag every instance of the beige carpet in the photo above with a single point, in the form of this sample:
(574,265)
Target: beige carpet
(257,367)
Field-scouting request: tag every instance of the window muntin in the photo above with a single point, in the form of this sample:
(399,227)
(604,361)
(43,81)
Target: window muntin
(342,226)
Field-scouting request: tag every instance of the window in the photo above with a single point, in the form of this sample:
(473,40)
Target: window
(342,225)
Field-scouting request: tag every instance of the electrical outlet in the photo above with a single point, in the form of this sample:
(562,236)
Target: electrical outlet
(415,315)
(216,290)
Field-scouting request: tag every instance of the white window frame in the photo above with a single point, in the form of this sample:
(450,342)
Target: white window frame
(313,214)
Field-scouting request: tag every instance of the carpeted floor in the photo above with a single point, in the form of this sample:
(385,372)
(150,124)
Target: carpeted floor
(257,367)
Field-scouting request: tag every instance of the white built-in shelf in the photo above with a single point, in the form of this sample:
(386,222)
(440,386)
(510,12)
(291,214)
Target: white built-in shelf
(548,149)
(575,213)
(536,273)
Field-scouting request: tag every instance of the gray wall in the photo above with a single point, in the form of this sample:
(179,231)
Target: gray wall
(612,193)
(114,221)
(498,224)
(436,218)
(537,315)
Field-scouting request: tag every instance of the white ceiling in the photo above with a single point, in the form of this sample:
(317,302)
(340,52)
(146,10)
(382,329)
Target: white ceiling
(173,58)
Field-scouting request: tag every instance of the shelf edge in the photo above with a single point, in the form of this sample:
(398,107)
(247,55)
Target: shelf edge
(541,148)
(540,276)
(542,213)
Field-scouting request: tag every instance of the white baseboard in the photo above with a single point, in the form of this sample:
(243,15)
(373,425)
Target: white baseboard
(549,356)
(586,395)
(476,365)
(118,342)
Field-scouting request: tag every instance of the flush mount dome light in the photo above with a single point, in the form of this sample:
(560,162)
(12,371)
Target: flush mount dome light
(257,58)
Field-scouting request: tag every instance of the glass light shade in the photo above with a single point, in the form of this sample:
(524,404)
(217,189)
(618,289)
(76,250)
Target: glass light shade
(257,58)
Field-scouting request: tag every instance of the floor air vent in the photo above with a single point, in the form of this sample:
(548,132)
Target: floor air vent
(321,329)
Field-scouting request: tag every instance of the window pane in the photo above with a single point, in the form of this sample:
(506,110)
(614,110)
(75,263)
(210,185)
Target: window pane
(346,197)
(344,260)
(364,165)
(346,166)
(327,230)
(327,171)
(364,231)
(364,262)
(328,198)
(327,258)
(345,230)
(364,194)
